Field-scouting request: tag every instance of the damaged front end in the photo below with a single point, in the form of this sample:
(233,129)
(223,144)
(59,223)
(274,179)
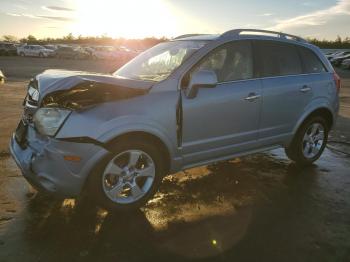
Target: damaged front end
(54,94)
(88,94)
(77,90)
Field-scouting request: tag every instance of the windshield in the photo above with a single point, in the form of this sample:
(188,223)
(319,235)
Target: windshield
(157,63)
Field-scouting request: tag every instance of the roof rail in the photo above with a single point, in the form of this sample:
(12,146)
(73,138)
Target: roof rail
(237,32)
(187,35)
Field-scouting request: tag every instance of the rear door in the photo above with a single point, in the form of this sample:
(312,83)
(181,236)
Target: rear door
(223,120)
(286,91)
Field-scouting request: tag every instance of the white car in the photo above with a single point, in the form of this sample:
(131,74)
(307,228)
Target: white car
(337,54)
(35,50)
(107,52)
(346,64)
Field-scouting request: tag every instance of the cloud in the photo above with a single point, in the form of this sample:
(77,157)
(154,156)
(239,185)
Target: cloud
(57,8)
(316,18)
(13,14)
(266,14)
(57,18)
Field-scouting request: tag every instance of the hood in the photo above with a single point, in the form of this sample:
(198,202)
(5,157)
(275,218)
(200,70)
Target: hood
(71,86)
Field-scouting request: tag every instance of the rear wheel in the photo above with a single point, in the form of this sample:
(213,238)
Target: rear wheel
(129,177)
(309,142)
(22,54)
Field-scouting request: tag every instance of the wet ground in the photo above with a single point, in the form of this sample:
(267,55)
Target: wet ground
(256,208)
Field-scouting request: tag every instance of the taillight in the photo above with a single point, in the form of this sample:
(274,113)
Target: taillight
(337,81)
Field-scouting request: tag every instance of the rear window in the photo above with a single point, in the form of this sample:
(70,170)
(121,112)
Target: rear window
(311,63)
(278,59)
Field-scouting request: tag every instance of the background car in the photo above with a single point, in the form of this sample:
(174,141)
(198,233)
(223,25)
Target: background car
(108,52)
(71,52)
(35,50)
(51,47)
(339,59)
(346,64)
(337,54)
(88,49)
(8,49)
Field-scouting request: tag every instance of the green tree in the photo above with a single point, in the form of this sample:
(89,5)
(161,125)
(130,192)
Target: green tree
(9,38)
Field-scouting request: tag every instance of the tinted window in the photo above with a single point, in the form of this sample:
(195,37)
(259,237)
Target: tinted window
(278,59)
(311,62)
(230,62)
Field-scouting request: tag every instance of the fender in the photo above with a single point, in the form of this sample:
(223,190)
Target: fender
(124,127)
(137,124)
(318,103)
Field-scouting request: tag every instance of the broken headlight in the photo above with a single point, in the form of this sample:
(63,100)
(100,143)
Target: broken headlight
(47,121)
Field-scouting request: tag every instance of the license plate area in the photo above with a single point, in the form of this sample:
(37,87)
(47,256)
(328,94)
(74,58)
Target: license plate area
(21,133)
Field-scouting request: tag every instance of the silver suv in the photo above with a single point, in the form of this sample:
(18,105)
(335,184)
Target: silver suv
(188,102)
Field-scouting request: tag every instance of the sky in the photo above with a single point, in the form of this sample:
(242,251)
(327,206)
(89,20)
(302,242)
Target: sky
(323,19)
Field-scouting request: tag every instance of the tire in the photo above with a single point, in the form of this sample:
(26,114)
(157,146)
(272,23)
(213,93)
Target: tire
(102,184)
(307,145)
(22,54)
(41,55)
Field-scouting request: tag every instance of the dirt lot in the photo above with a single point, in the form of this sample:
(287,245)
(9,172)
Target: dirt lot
(257,208)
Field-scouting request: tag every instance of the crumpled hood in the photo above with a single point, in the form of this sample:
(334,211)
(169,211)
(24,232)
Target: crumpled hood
(61,87)
(55,79)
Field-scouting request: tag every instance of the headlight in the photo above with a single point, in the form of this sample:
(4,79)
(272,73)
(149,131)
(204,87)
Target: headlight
(34,93)
(48,120)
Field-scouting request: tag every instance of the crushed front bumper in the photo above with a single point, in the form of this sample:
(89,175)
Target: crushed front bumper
(43,165)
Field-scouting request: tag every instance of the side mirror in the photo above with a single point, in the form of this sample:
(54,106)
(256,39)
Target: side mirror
(201,79)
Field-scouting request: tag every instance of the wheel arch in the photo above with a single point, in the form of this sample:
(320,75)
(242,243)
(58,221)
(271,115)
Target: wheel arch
(321,111)
(164,150)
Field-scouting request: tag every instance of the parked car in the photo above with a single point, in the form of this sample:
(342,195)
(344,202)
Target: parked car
(35,50)
(8,49)
(188,102)
(339,59)
(337,54)
(51,47)
(346,63)
(108,52)
(89,50)
(71,52)
(332,54)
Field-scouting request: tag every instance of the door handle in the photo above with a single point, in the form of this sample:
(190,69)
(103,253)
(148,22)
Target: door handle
(252,97)
(305,89)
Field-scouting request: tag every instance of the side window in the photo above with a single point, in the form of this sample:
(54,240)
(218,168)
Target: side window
(311,62)
(278,59)
(233,61)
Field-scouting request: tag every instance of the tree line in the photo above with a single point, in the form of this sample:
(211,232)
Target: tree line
(338,43)
(88,40)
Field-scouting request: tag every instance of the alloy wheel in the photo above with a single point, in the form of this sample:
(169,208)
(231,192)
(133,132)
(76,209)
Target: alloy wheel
(128,176)
(313,140)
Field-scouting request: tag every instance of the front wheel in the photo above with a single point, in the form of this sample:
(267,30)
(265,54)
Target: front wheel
(309,142)
(129,177)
